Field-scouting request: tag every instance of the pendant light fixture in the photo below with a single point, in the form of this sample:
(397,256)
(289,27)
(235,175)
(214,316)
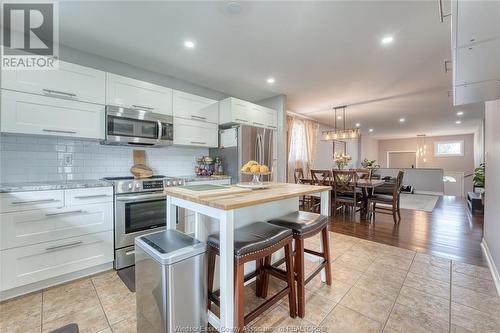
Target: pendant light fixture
(421,148)
(340,133)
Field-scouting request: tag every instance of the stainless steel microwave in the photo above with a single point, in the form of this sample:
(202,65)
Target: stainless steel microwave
(136,127)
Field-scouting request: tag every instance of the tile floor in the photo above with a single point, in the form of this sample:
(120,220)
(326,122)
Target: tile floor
(376,288)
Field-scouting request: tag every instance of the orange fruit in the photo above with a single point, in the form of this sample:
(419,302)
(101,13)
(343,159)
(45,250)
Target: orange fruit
(255,168)
(264,168)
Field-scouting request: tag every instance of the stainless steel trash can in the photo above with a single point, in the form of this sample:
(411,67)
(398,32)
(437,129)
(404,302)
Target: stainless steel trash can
(170,275)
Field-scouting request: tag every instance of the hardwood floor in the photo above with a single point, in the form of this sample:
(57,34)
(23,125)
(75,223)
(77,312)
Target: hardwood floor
(449,231)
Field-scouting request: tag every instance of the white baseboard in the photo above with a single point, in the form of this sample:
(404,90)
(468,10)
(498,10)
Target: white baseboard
(23,290)
(491,264)
(429,193)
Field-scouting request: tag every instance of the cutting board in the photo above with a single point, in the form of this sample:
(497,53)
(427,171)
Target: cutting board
(140,169)
(209,190)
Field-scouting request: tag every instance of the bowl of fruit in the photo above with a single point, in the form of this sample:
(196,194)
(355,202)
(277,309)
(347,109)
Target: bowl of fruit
(256,170)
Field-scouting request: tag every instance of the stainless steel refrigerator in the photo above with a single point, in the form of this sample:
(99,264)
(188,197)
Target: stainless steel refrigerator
(242,143)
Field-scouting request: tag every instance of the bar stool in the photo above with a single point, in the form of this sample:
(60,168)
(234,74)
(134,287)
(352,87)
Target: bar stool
(305,225)
(255,241)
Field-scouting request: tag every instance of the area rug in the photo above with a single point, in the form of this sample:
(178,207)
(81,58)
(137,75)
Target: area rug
(421,202)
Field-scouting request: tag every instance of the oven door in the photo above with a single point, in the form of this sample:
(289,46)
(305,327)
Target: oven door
(137,214)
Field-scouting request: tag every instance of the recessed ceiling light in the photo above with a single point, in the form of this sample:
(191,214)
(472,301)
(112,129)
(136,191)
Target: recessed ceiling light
(371,130)
(387,40)
(458,122)
(358,125)
(189,44)
(460,113)
(270,80)
(402,120)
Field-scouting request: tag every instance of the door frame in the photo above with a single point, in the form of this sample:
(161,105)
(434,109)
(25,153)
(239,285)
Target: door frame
(401,151)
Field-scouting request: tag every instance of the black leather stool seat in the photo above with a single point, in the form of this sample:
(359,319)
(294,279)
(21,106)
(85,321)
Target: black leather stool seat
(253,237)
(301,222)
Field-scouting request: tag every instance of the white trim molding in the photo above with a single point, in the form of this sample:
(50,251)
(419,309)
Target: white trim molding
(491,265)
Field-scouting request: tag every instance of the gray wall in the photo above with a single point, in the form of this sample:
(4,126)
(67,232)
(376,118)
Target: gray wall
(423,180)
(492,194)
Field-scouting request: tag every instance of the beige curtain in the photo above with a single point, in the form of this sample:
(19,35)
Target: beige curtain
(311,142)
(289,123)
(302,142)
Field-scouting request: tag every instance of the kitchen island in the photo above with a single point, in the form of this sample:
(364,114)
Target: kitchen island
(234,207)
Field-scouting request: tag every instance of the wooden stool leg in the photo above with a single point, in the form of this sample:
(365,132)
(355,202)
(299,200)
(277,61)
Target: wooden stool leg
(326,254)
(210,275)
(239,295)
(290,281)
(258,277)
(299,270)
(265,278)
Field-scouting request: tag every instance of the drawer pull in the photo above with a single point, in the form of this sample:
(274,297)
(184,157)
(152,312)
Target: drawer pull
(91,196)
(58,131)
(260,124)
(64,213)
(58,92)
(198,143)
(34,201)
(272,126)
(198,117)
(51,248)
(242,120)
(142,107)
(128,253)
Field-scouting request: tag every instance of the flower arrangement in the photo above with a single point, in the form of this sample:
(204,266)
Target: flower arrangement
(341,160)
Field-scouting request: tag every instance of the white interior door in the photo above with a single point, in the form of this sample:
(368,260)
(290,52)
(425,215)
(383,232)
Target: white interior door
(453,183)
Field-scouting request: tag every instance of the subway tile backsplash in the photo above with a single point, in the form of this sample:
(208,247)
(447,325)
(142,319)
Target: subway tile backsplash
(37,158)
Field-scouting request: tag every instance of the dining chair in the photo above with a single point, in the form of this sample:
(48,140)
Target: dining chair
(391,201)
(304,201)
(345,191)
(320,177)
(364,173)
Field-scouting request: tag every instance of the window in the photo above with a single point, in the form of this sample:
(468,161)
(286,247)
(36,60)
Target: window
(449,148)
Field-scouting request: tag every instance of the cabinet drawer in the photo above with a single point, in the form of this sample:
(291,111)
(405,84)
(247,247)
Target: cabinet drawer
(195,107)
(131,93)
(21,201)
(37,226)
(38,262)
(70,81)
(195,133)
(32,114)
(83,196)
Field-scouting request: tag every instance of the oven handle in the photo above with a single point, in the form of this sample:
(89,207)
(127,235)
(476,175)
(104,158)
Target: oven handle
(140,197)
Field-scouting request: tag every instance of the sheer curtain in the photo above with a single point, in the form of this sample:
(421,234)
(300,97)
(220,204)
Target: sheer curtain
(302,138)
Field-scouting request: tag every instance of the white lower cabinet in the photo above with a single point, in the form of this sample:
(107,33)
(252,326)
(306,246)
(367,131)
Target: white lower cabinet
(21,201)
(195,133)
(30,264)
(33,114)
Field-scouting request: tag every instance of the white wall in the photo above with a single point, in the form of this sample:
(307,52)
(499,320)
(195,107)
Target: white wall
(369,148)
(492,191)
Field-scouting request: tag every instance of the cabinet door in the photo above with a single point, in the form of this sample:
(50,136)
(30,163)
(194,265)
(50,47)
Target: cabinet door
(38,226)
(195,133)
(131,93)
(477,21)
(270,118)
(43,261)
(478,62)
(257,115)
(70,81)
(240,111)
(33,114)
(476,92)
(195,107)
(30,200)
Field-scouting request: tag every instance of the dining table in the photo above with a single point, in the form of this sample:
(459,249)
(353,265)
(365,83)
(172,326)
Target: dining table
(366,185)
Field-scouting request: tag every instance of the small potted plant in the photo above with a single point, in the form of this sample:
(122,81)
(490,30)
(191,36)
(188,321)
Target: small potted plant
(370,164)
(479,179)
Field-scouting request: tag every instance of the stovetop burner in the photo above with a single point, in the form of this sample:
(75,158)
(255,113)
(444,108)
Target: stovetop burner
(132,178)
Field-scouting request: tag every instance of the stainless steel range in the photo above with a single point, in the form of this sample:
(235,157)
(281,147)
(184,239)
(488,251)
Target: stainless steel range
(140,207)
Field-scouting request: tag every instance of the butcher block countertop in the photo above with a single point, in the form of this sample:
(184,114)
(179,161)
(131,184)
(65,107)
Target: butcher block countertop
(233,197)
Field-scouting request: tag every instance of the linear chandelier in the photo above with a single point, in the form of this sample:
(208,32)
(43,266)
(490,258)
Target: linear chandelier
(340,133)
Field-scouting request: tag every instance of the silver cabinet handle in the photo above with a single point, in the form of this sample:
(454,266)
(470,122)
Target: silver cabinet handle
(142,107)
(441,14)
(260,124)
(160,129)
(91,196)
(33,201)
(198,143)
(65,213)
(242,120)
(199,117)
(272,126)
(128,253)
(58,92)
(63,246)
(58,131)
(446,68)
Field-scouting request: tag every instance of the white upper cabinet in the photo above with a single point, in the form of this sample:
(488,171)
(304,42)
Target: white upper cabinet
(189,106)
(70,81)
(233,110)
(195,133)
(131,93)
(478,62)
(32,114)
(477,21)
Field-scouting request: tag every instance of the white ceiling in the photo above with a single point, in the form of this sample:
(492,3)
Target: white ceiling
(322,54)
